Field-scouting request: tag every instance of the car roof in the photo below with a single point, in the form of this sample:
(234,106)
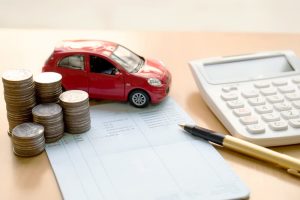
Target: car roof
(88,46)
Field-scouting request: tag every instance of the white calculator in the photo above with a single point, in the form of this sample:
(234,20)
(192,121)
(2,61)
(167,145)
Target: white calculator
(256,96)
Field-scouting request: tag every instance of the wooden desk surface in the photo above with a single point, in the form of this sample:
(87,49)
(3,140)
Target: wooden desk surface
(32,178)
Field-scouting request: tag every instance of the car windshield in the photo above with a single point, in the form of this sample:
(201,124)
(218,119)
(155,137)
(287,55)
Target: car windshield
(130,61)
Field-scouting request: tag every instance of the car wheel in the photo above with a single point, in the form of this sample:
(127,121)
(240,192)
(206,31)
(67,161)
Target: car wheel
(139,98)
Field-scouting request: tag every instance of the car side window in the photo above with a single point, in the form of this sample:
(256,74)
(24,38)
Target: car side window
(72,62)
(102,66)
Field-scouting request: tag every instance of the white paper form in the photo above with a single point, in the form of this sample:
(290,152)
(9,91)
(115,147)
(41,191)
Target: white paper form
(141,154)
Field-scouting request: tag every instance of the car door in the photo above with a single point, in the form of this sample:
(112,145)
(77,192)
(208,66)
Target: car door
(106,81)
(74,71)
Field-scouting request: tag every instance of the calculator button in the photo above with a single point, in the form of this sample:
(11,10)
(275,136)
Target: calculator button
(240,112)
(271,117)
(257,101)
(256,128)
(235,104)
(278,125)
(275,99)
(286,89)
(282,106)
(296,104)
(268,91)
(229,88)
(226,89)
(279,82)
(290,114)
(293,96)
(250,93)
(295,123)
(264,109)
(249,120)
(296,79)
(229,96)
(262,84)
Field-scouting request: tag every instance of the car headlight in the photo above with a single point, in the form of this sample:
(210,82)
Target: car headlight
(154,82)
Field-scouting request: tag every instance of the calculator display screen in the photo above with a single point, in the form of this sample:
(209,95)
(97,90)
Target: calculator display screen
(247,69)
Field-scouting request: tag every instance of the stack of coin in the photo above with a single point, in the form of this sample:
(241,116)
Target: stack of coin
(19,94)
(28,139)
(50,115)
(48,87)
(75,104)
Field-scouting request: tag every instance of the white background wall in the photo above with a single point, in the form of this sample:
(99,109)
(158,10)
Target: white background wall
(181,15)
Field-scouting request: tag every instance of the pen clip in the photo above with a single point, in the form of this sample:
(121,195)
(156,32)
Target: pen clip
(293,172)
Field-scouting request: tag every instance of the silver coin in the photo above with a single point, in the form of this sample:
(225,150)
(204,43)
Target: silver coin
(54,139)
(74,96)
(30,143)
(28,153)
(28,130)
(47,110)
(50,121)
(16,75)
(78,130)
(48,78)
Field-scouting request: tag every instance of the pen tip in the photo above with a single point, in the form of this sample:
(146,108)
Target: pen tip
(181,125)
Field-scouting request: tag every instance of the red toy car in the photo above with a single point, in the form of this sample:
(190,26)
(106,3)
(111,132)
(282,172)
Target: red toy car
(107,70)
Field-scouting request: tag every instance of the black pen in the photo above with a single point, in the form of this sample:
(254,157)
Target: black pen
(292,165)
